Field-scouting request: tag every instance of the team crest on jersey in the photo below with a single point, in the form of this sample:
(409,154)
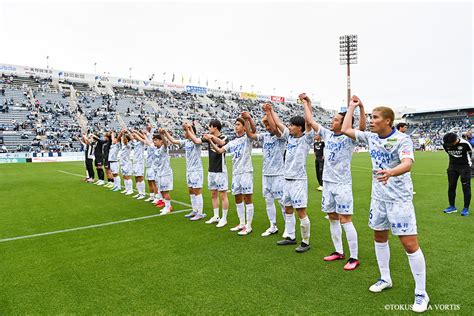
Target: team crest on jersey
(390,142)
(459,147)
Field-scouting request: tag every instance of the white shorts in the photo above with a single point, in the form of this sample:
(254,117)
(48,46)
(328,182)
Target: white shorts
(273,186)
(399,217)
(138,169)
(337,198)
(217,181)
(242,183)
(295,193)
(114,167)
(127,169)
(165,183)
(150,173)
(194,179)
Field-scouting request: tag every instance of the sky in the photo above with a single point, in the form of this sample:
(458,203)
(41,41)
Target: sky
(415,55)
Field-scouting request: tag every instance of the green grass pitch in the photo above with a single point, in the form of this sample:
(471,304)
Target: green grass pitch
(169,265)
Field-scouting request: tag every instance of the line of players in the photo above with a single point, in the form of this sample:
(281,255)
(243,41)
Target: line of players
(284,179)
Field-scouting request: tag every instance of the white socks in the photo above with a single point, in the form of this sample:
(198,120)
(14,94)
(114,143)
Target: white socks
(193,202)
(216,212)
(351,235)
(141,187)
(167,204)
(224,214)
(152,195)
(117,182)
(249,208)
(418,269)
(241,212)
(305,229)
(336,235)
(382,252)
(290,223)
(199,203)
(128,184)
(271,211)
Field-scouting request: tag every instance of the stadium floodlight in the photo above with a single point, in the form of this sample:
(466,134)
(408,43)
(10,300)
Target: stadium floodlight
(95,68)
(47,62)
(348,56)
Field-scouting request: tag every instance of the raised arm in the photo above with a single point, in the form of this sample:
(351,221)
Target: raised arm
(217,140)
(163,137)
(193,136)
(347,128)
(280,126)
(216,148)
(362,119)
(249,123)
(268,108)
(308,113)
(171,138)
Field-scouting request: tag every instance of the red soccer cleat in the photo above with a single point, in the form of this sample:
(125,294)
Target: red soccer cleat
(160,204)
(351,264)
(334,256)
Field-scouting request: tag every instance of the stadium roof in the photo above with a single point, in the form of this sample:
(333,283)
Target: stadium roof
(461,108)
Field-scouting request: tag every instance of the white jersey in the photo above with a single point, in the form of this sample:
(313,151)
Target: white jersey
(138,151)
(113,152)
(338,150)
(125,154)
(297,150)
(193,155)
(273,148)
(150,156)
(241,150)
(162,161)
(387,153)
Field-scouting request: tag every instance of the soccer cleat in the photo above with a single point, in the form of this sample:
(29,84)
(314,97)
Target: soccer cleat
(124,191)
(245,231)
(136,195)
(320,188)
(116,189)
(222,223)
(160,203)
(379,286)
(286,241)
(90,180)
(237,228)
(303,247)
(197,217)
(141,197)
(270,231)
(421,303)
(189,215)
(450,209)
(465,212)
(166,210)
(149,199)
(155,201)
(334,256)
(326,217)
(212,220)
(351,264)
(129,193)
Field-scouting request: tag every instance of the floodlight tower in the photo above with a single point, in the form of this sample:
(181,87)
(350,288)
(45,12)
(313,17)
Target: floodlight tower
(348,56)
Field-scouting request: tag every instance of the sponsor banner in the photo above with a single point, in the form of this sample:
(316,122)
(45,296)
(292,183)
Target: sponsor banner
(248,95)
(12,160)
(275,98)
(196,89)
(173,86)
(58,159)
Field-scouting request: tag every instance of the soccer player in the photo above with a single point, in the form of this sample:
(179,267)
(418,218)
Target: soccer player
(194,171)
(295,191)
(164,173)
(139,164)
(147,137)
(106,150)
(217,181)
(337,200)
(318,147)
(99,158)
(242,174)
(86,141)
(391,205)
(125,162)
(273,147)
(113,160)
(459,152)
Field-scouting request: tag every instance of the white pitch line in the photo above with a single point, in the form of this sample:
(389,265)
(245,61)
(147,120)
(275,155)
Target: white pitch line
(78,175)
(88,227)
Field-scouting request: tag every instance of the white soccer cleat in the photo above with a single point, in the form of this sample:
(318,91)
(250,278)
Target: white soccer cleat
(320,188)
(141,197)
(212,220)
(165,211)
(270,231)
(129,193)
(237,228)
(222,223)
(421,303)
(245,231)
(154,201)
(136,195)
(149,199)
(124,191)
(379,286)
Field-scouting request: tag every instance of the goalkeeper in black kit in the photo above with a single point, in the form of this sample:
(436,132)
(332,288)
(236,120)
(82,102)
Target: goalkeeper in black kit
(459,152)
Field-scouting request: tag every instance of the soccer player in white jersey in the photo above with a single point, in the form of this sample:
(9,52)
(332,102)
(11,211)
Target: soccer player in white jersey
(126,163)
(242,175)
(217,181)
(147,135)
(337,200)
(391,206)
(295,191)
(194,171)
(113,160)
(139,164)
(164,173)
(273,147)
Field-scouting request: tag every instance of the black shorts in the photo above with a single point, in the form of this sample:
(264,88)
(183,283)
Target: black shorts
(107,164)
(99,161)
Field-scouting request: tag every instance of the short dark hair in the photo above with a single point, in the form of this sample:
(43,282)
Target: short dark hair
(298,121)
(450,138)
(157,136)
(343,114)
(216,123)
(400,125)
(241,120)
